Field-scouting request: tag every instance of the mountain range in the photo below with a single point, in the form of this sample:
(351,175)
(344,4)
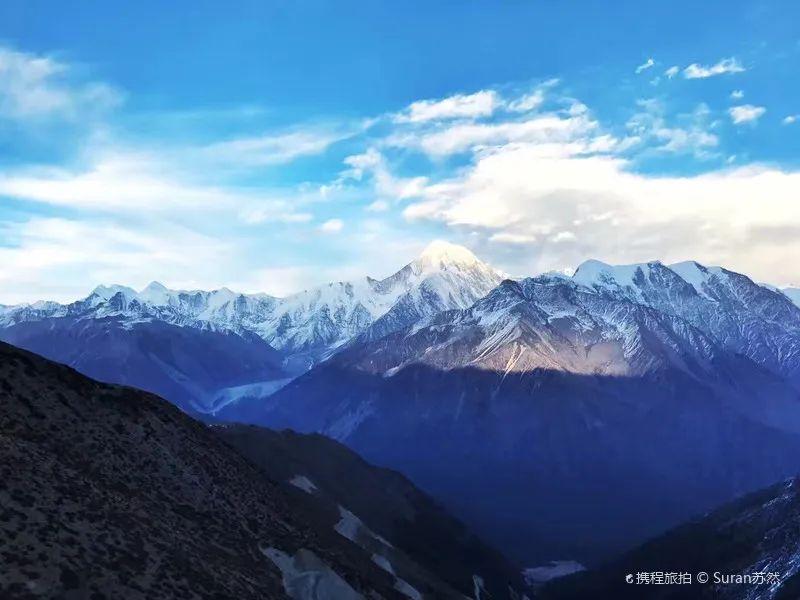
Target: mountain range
(561,417)
(599,408)
(166,341)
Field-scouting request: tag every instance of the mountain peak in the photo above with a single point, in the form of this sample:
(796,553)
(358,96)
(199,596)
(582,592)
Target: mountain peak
(155,286)
(440,253)
(155,293)
(106,292)
(593,272)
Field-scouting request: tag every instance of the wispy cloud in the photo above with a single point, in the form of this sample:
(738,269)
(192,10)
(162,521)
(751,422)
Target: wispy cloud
(373,165)
(672,71)
(788,120)
(479,104)
(130,184)
(645,65)
(465,137)
(746,113)
(692,136)
(37,87)
(737,94)
(272,148)
(725,66)
(332,226)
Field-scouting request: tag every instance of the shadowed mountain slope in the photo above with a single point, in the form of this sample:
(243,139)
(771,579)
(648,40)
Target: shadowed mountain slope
(113,492)
(193,368)
(759,532)
(589,421)
(325,476)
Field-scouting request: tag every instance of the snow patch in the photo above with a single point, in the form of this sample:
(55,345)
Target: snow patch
(350,526)
(598,275)
(345,425)
(439,254)
(407,589)
(304,483)
(259,389)
(477,583)
(383,563)
(695,274)
(306,577)
(552,570)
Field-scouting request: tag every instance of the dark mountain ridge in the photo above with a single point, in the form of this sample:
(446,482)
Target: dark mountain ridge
(113,492)
(757,533)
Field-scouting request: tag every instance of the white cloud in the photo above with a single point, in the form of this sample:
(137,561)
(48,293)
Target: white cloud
(34,87)
(527,102)
(572,208)
(646,65)
(332,226)
(737,94)
(136,184)
(479,104)
(504,237)
(256,215)
(726,65)
(672,71)
(746,113)
(277,281)
(388,186)
(563,236)
(790,119)
(378,206)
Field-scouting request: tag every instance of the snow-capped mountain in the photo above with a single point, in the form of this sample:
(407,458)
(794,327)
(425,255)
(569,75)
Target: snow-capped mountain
(666,388)
(306,326)
(739,314)
(204,350)
(318,321)
(662,389)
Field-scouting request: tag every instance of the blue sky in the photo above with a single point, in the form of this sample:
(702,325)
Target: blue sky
(278,145)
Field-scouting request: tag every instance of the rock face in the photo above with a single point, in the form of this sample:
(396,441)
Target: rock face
(595,410)
(112,492)
(758,533)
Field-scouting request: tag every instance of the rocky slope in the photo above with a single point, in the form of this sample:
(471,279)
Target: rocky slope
(112,492)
